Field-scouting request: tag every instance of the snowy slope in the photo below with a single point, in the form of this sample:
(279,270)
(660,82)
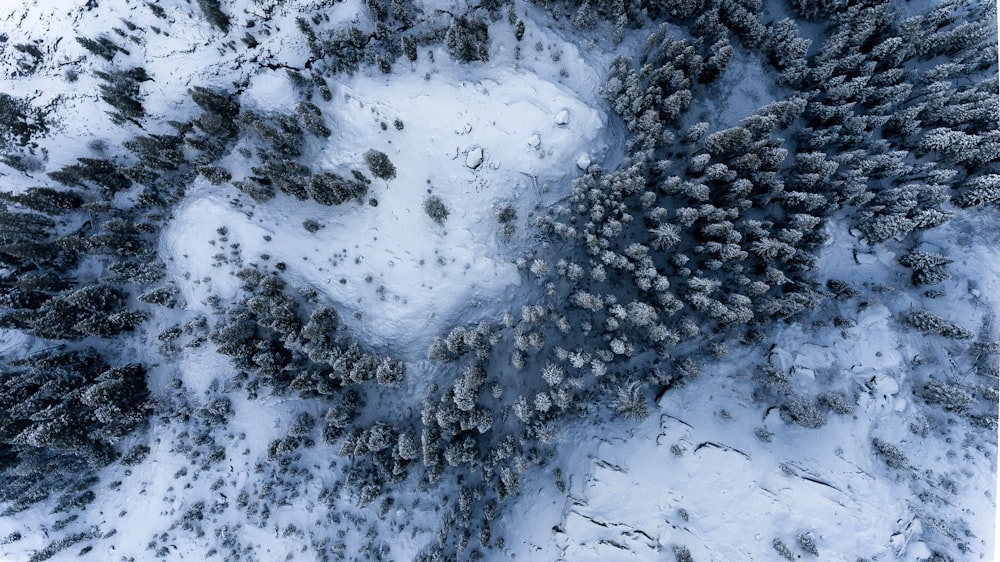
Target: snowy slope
(721,474)
(713,470)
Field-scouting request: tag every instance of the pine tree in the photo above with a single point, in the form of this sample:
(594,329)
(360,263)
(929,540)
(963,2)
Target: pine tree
(102,47)
(629,402)
(928,268)
(214,14)
(312,119)
(933,324)
(467,39)
(980,191)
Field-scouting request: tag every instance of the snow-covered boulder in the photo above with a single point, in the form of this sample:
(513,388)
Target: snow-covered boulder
(475,158)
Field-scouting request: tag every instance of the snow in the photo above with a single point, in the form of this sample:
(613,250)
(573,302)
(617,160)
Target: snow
(698,451)
(474,158)
(513,131)
(466,139)
(744,87)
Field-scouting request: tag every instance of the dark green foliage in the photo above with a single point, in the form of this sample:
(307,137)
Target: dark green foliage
(58,546)
(801,411)
(682,554)
(16,298)
(782,550)
(161,152)
(121,91)
(328,188)
(216,102)
(70,403)
(102,47)
(135,455)
(101,172)
(436,209)
(19,121)
(259,189)
(409,47)
(379,164)
(468,39)
(163,296)
(216,175)
(980,191)
(46,200)
(94,310)
(214,14)
(890,454)
(282,132)
(117,398)
(312,119)
(23,227)
(157,10)
(37,253)
(289,176)
(808,543)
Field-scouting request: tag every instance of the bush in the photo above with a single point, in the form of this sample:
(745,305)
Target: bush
(890,453)
(782,549)
(808,544)
(379,164)
(800,411)
(436,209)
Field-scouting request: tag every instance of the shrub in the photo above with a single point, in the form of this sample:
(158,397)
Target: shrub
(890,453)
(436,209)
(379,164)
(808,544)
(802,412)
(782,549)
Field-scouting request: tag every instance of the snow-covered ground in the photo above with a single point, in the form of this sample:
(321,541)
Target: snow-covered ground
(474,138)
(700,474)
